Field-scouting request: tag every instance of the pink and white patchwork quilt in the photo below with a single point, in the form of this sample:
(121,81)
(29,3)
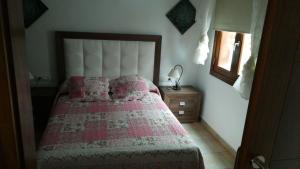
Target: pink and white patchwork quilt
(139,134)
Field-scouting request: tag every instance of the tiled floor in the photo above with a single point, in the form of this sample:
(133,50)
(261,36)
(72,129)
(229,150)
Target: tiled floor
(214,154)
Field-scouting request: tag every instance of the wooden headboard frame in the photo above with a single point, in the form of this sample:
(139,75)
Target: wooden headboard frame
(61,35)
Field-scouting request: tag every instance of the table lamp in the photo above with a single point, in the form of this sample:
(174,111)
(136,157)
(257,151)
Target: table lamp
(176,73)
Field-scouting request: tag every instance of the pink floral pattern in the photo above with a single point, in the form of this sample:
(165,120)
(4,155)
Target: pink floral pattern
(88,88)
(129,88)
(151,86)
(76,87)
(96,89)
(140,134)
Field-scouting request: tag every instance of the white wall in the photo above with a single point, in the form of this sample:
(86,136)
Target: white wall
(113,16)
(223,108)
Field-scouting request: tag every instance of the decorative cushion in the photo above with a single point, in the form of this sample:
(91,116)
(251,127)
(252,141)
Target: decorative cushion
(96,89)
(130,87)
(88,88)
(76,87)
(151,86)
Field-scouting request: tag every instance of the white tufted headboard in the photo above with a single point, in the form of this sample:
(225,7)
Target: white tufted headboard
(110,55)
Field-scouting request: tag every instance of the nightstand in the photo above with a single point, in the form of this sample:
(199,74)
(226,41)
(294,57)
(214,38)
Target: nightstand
(42,100)
(184,103)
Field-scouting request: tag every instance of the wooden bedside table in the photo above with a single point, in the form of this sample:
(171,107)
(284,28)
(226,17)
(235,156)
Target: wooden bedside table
(42,100)
(184,103)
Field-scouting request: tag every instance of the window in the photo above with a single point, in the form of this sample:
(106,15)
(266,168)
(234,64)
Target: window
(231,51)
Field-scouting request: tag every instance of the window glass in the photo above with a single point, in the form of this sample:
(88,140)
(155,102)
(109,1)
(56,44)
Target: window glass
(231,51)
(227,49)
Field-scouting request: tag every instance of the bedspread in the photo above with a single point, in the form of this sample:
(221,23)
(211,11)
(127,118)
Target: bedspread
(141,134)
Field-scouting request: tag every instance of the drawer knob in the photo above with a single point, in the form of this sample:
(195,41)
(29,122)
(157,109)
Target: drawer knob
(181,112)
(182,103)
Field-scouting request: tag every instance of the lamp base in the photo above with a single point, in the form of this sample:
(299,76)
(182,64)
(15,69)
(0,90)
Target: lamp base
(176,87)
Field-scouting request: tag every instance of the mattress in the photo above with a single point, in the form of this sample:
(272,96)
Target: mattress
(141,134)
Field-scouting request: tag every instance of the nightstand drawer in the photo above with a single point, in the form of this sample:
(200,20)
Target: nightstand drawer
(184,103)
(187,117)
(179,113)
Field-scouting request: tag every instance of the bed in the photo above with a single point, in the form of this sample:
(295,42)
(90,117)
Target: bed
(136,134)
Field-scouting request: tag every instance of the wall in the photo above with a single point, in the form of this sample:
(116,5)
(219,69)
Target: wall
(223,108)
(114,16)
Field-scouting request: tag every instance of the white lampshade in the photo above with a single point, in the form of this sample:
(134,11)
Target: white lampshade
(174,73)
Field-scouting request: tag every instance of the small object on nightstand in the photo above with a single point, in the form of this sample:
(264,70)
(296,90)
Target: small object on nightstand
(184,103)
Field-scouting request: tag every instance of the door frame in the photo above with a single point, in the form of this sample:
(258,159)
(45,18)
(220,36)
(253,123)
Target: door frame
(271,82)
(9,136)
(20,147)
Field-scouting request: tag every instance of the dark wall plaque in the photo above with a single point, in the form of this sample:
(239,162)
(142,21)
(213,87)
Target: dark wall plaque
(32,9)
(182,15)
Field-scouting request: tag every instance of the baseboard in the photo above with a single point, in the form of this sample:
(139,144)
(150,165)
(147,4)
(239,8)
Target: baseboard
(219,138)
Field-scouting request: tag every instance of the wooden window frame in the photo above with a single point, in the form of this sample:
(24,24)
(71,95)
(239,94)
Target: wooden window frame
(227,76)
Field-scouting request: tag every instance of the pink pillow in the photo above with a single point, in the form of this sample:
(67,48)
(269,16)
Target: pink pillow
(96,89)
(128,88)
(76,87)
(89,88)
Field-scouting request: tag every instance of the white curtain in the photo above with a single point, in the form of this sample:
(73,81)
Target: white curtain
(202,49)
(244,82)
